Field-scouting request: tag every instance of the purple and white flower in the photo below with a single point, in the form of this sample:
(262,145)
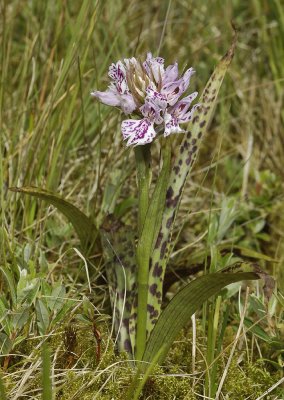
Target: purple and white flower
(151,91)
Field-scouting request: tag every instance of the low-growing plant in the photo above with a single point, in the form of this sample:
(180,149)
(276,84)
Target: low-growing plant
(32,302)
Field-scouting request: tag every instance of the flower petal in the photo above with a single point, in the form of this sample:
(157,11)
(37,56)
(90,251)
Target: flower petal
(174,90)
(186,77)
(110,96)
(154,67)
(182,106)
(117,73)
(138,132)
(156,97)
(127,103)
(187,117)
(171,74)
(152,112)
(171,125)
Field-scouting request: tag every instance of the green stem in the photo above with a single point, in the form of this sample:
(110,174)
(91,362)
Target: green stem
(142,154)
(143,159)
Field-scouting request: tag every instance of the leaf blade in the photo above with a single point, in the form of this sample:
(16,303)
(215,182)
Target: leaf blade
(82,224)
(181,169)
(180,309)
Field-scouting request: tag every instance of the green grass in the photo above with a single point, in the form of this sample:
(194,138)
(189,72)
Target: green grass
(53,135)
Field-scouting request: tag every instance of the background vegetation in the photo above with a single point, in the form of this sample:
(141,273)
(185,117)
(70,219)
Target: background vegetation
(53,135)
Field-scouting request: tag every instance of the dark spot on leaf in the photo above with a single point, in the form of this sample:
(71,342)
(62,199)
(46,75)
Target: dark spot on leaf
(158,270)
(176,169)
(170,193)
(163,250)
(127,346)
(169,222)
(150,308)
(188,160)
(153,289)
(159,239)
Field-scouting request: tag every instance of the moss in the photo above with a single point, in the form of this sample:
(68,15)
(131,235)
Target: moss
(250,381)
(171,386)
(109,377)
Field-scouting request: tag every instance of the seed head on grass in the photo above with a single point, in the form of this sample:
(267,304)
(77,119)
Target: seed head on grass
(151,91)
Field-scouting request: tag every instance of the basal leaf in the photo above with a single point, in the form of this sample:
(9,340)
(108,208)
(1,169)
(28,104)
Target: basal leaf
(188,300)
(118,243)
(82,224)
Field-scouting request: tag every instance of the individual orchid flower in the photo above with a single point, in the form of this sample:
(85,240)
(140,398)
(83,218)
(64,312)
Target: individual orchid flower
(151,91)
(118,93)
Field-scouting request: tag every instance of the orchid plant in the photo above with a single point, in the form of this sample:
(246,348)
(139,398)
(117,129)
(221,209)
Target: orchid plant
(155,98)
(151,91)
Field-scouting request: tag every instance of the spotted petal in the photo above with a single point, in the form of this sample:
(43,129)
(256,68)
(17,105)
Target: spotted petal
(117,71)
(182,106)
(154,67)
(188,116)
(156,97)
(171,125)
(138,132)
(174,90)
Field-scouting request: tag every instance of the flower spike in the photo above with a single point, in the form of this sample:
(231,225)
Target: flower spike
(151,91)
